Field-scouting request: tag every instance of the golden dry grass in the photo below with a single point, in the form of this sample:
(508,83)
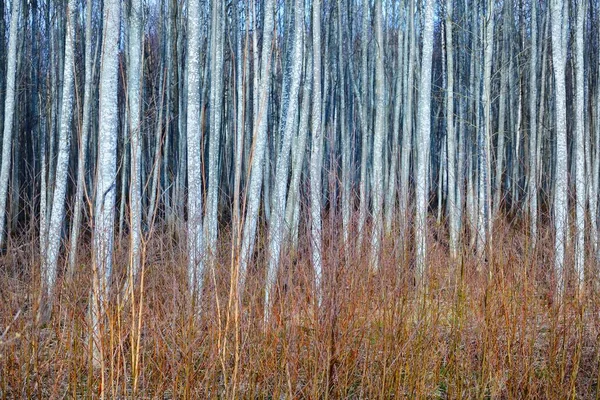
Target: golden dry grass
(472,334)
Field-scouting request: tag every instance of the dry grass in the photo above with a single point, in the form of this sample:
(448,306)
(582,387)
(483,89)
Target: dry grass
(470,335)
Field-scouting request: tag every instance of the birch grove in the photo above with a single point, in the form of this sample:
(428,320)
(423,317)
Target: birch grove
(270,144)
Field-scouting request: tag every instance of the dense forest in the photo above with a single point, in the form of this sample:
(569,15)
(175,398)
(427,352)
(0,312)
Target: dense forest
(299,198)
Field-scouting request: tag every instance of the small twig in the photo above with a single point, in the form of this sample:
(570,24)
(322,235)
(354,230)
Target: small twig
(9,325)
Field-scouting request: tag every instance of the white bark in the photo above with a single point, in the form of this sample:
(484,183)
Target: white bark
(365,125)
(107,142)
(9,113)
(532,177)
(299,151)
(451,136)
(253,194)
(288,124)
(501,122)
(83,142)
(424,144)
(483,154)
(134,88)
(158,144)
(596,177)
(194,170)
(43,192)
(104,208)
(316,154)
(216,94)
(407,126)
(559,12)
(580,182)
(380,117)
(345,134)
(392,183)
(49,266)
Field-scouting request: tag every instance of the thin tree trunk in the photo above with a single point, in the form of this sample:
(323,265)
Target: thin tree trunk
(366,126)
(216,94)
(83,142)
(532,177)
(287,128)
(559,12)
(49,266)
(194,169)
(380,116)
(345,134)
(9,114)
(423,145)
(407,127)
(107,162)
(451,136)
(316,154)
(259,144)
(134,86)
(484,192)
(580,182)
(594,210)
(299,150)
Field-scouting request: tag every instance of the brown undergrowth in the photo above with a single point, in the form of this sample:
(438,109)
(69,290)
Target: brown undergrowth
(482,329)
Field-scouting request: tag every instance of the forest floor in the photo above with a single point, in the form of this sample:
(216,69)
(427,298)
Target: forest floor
(489,329)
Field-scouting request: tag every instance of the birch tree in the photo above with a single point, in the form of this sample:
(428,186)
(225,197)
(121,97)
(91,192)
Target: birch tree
(9,114)
(104,208)
(259,145)
(365,125)
(559,11)
(380,116)
(134,88)
(423,144)
(49,267)
(194,171)
(316,153)
(595,173)
(450,133)
(483,153)
(216,93)
(580,181)
(407,126)
(533,85)
(84,139)
(287,128)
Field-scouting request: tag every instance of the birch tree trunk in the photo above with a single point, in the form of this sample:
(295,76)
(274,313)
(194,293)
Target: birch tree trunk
(484,192)
(316,154)
(580,181)
(83,142)
(299,149)
(451,136)
(259,145)
(596,176)
(216,94)
(49,266)
(288,124)
(392,183)
(407,127)
(9,114)
(423,145)
(104,208)
(134,88)
(194,168)
(533,84)
(559,11)
(500,149)
(366,131)
(345,134)
(380,116)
